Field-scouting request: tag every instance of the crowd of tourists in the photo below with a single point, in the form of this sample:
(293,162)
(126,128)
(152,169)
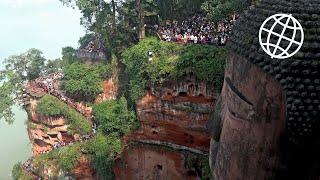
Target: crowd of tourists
(50,84)
(197,30)
(80,139)
(47,82)
(27,166)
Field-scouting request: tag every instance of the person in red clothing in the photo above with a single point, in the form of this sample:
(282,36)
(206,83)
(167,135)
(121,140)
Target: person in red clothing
(188,39)
(179,39)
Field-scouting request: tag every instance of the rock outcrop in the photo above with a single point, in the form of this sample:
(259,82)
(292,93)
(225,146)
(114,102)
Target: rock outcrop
(109,90)
(46,132)
(173,118)
(82,171)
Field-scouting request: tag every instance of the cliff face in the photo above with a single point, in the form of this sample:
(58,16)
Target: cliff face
(109,90)
(82,171)
(172,116)
(46,132)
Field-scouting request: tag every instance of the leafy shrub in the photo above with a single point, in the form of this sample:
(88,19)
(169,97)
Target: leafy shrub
(19,174)
(113,117)
(103,150)
(171,61)
(206,62)
(51,106)
(83,82)
(66,158)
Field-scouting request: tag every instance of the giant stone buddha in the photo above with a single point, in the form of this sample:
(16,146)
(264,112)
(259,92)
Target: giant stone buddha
(266,123)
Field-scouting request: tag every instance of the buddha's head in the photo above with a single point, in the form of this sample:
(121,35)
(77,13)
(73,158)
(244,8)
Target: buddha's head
(266,122)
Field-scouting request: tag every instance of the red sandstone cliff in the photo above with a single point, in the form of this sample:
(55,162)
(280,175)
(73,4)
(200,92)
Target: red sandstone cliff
(44,132)
(173,118)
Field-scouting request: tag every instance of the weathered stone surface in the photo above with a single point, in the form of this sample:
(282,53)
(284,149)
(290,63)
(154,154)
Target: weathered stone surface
(173,115)
(84,171)
(155,162)
(297,75)
(251,124)
(110,90)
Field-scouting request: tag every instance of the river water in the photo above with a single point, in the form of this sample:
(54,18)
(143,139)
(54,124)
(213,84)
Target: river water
(15,145)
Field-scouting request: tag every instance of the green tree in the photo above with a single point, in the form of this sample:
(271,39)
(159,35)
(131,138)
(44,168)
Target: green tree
(8,94)
(18,69)
(83,82)
(218,10)
(68,55)
(36,63)
(52,66)
(178,9)
(118,22)
(28,65)
(103,150)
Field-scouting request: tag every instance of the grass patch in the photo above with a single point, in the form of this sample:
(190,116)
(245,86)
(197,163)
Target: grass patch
(51,106)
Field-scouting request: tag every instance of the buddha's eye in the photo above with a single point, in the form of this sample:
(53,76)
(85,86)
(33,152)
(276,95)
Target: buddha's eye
(238,105)
(236,91)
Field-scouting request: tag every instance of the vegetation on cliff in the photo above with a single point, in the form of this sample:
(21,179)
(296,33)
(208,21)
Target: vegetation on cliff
(65,158)
(19,174)
(83,82)
(114,117)
(171,61)
(101,151)
(51,106)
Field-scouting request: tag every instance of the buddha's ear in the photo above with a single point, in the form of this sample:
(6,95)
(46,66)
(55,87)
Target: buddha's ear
(214,124)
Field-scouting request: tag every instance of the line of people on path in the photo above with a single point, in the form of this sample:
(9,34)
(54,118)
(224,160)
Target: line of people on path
(50,84)
(28,168)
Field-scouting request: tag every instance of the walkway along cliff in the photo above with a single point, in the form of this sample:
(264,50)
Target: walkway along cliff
(48,133)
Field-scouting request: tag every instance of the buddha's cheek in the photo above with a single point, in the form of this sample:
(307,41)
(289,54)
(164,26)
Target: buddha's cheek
(246,150)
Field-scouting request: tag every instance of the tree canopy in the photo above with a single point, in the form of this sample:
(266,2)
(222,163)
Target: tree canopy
(18,70)
(217,10)
(114,117)
(83,82)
